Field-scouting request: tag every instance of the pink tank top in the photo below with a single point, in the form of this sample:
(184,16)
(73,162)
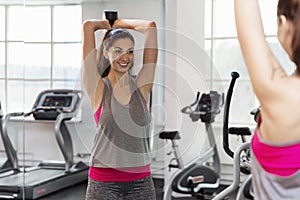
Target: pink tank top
(97,115)
(117,175)
(281,159)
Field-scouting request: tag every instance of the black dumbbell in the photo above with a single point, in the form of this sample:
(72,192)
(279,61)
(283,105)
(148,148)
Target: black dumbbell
(111,16)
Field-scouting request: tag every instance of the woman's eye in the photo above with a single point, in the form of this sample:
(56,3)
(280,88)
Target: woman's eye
(118,52)
(130,52)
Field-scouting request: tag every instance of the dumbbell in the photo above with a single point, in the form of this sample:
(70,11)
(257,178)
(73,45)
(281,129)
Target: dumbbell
(111,16)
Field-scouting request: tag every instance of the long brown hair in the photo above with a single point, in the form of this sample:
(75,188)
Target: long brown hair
(291,10)
(109,38)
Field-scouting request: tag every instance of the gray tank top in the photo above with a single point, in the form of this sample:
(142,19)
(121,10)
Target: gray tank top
(268,186)
(122,137)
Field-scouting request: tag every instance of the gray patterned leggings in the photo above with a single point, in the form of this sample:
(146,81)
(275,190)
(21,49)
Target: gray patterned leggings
(142,189)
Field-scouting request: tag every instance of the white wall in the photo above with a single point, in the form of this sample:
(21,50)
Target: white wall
(186,72)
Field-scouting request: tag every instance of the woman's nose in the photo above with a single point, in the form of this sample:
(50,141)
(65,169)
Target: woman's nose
(125,56)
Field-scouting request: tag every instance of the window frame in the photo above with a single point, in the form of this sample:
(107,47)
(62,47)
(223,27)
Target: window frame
(52,80)
(212,37)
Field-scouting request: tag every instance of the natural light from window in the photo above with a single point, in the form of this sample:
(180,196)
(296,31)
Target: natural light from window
(40,48)
(223,47)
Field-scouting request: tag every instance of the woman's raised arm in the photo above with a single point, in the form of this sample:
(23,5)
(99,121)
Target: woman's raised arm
(92,81)
(263,68)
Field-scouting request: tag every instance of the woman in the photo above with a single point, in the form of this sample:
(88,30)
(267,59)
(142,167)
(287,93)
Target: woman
(120,157)
(276,141)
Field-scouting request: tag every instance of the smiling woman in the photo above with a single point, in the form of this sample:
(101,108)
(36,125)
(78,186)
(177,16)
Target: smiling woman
(112,52)
(120,157)
(41,45)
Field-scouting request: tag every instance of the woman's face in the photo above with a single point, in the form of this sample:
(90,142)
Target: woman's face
(121,55)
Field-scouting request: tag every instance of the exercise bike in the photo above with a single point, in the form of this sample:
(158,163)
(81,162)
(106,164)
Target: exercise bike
(197,179)
(241,156)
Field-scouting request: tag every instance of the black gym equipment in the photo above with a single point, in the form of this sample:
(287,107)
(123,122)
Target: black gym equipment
(241,156)
(197,179)
(47,177)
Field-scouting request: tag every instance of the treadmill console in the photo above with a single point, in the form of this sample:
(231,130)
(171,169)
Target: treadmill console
(50,104)
(57,101)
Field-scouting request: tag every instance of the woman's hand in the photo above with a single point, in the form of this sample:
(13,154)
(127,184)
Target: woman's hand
(95,24)
(135,24)
(89,27)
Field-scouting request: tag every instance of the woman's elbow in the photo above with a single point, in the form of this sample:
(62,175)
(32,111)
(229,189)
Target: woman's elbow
(152,24)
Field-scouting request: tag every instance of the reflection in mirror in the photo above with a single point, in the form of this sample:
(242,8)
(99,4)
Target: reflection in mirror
(40,48)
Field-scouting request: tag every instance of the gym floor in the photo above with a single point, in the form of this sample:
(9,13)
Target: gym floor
(77,192)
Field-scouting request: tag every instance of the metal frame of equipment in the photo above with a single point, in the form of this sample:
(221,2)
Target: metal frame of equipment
(34,182)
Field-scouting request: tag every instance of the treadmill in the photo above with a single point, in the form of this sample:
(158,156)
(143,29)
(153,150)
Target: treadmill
(8,164)
(47,177)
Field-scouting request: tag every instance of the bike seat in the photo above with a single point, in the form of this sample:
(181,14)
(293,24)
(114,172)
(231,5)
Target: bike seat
(239,131)
(169,135)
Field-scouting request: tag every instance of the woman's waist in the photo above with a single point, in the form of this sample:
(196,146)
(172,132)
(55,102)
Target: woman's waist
(278,158)
(279,134)
(119,174)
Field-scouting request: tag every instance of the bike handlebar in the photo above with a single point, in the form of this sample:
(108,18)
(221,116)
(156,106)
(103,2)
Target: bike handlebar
(207,107)
(188,109)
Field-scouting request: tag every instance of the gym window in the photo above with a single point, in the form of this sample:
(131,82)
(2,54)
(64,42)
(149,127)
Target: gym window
(40,48)
(222,46)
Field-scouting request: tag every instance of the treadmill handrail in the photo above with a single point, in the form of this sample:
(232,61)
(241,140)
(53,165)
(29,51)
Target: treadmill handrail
(10,151)
(57,178)
(62,134)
